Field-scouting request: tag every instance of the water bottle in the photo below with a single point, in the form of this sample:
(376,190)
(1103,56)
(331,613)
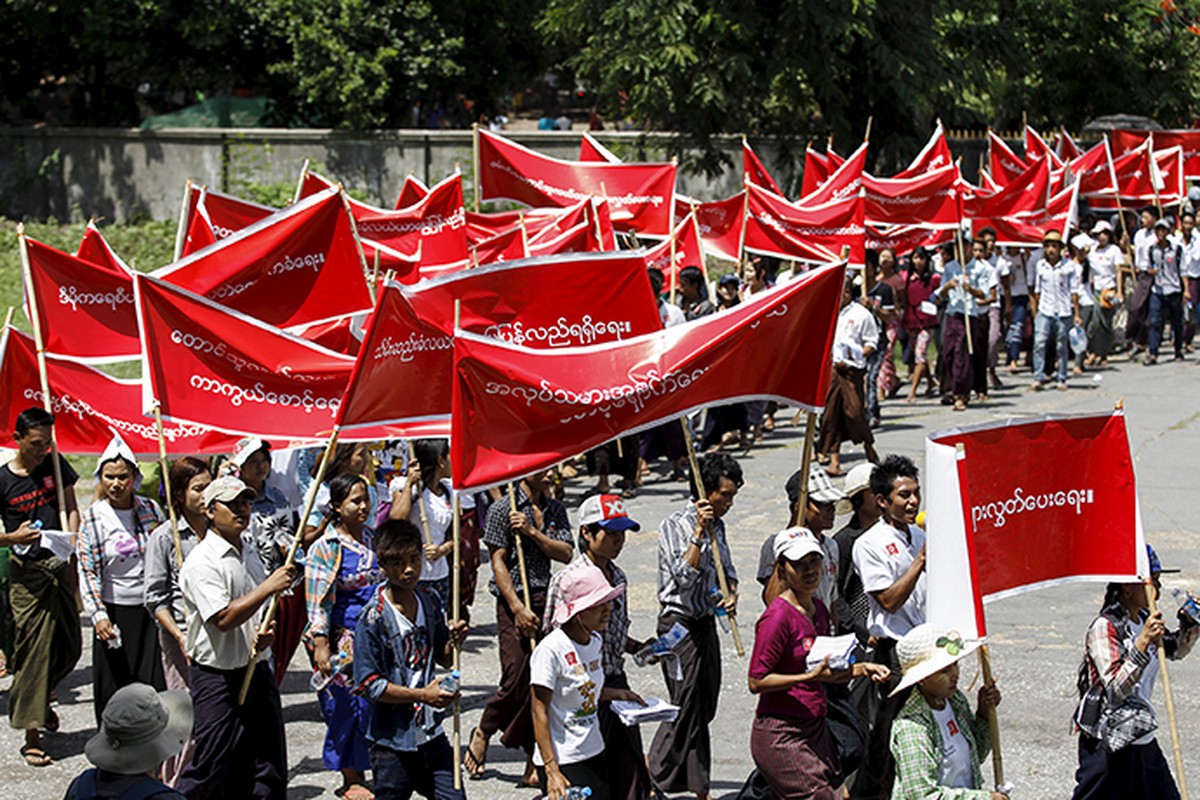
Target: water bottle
(320,680)
(722,614)
(115,643)
(1187,604)
(579,792)
(451,682)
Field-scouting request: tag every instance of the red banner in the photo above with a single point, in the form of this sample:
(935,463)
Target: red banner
(213,216)
(1061,214)
(548,303)
(89,404)
(755,172)
(935,155)
(640,196)
(934,200)
(816,171)
(301,265)
(412,192)
(208,365)
(339,335)
(85,311)
(720,224)
(592,150)
(905,238)
(1093,171)
(94,249)
(683,249)
(844,182)
(1141,178)
(1024,195)
(1065,147)
(1003,163)
(1036,147)
(435,227)
(517,410)
(803,233)
(1189,139)
(506,246)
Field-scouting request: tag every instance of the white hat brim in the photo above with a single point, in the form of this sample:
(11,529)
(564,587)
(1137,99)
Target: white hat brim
(933,665)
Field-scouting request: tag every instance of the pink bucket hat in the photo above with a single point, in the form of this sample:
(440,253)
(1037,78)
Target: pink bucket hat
(580,589)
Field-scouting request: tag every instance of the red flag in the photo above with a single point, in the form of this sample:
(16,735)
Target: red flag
(517,411)
(686,250)
(1023,195)
(592,150)
(1004,164)
(89,405)
(547,303)
(1061,214)
(831,157)
(506,246)
(436,226)
(720,224)
(987,529)
(85,311)
(1189,139)
(843,182)
(580,239)
(300,265)
(94,249)
(641,196)
(405,268)
(342,335)
(412,192)
(754,170)
(213,216)
(1093,170)
(1036,147)
(932,200)
(209,365)
(905,238)
(816,171)
(803,233)
(935,155)
(1065,147)
(566,220)
(1142,179)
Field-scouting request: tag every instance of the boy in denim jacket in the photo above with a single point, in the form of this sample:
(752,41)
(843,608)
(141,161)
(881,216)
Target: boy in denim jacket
(401,634)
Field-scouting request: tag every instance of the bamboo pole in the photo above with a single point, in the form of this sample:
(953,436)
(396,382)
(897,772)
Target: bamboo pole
(412,460)
(810,433)
(309,501)
(674,272)
(166,479)
(718,561)
(512,506)
(455,602)
(745,222)
(1180,774)
(47,403)
(475,159)
(300,182)
(181,231)
(985,662)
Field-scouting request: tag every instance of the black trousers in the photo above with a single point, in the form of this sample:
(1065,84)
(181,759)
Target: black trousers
(1133,771)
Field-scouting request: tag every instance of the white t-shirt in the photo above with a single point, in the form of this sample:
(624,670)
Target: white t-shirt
(856,330)
(1104,262)
(415,630)
(574,675)
(1145,684)
(123,562)
(954,771)
(881,555)
(1085,296)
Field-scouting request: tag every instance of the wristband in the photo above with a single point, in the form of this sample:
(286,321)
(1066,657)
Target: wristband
(696,540)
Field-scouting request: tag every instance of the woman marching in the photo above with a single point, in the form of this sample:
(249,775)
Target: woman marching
(111,547)
(791,741)
(340,577)
(1118,754)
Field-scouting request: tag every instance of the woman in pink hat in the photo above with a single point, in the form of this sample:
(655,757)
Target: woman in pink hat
(567,682)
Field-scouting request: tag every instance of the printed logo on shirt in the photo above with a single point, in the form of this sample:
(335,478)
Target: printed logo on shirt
(892,550)
(571,659)
(952,726)
(48,481)
(594,666)
(807,642)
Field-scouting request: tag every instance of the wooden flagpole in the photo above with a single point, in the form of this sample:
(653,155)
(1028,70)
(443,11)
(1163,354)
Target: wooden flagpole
(455,601)
(475,158)
(309,501)
(745,222)
(375,276)
(1180,774)
(810,433)
(985,662)
(412,460)
(300,182)
(47,403)
(718,561)
(166,479)
(512,506)
(181,231)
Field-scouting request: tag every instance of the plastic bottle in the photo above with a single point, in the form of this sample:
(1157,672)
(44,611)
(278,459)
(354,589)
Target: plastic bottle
(320,680)
(451,682)
(722,614)
(115,643)
(579,792)
(1187,604)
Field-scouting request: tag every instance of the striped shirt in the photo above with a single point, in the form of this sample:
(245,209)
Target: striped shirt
(684,590)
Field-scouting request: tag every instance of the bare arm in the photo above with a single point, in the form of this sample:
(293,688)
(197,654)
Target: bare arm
(896,595)
(556,783)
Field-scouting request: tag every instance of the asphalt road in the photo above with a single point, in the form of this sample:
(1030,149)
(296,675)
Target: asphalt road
(1036,638)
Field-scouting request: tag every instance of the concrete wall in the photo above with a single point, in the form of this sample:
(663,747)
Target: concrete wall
(73,174)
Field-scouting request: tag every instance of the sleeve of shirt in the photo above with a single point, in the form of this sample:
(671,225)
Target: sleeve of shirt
(496,531)
(370,662)
(69,476)
(91,566)
(1119,675)
(869,331)
(319,575)
(871,567)
(1179,643)
(560,531)
(543,664)
(766,560)
(157,593)
(917,765)
(205,588)
(674,537)
(771,636)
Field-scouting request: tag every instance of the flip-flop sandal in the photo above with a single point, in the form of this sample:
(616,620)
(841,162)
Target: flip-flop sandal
(472,763)
(35,756)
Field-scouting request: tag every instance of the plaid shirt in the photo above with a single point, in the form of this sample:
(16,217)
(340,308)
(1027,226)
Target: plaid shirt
(498,534)
(321,576)
(1111,656)
(917,748)
(616,635)
(90,549)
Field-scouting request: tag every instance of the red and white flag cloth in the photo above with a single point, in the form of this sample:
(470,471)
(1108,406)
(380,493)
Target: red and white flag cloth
(640,196)
(412,192)
(342,335)
(1061,214)
(85,310)
(89,405)
(1024,195)
(518,410)
(94,249)
(211,216)
(436,226)
(935,155)
(507,246)
(831,156)
(405,267)
(1124,142)
(684,246)
(1036,147)
(1146,176)
(996,501)
(1003,163)
(542,304)
(1065,147)
(813,234)
(580,239)
(591,150)
(1093,170)
(816,171)
(843,182)
(568,219)
(933,200)
(906,238)
(208,365)
(720,223)
(755,172)
(300,265)
(486,225)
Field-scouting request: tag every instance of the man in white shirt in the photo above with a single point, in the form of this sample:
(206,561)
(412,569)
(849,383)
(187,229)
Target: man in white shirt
(995,310)
(968,294)
(1137,329)
(240,749)
(1055,306)
(845,415)
(1190,245)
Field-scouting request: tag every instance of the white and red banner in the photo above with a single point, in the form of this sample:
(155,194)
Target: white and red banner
(816,171)
(935,155)
(435,227)
(1061,214)
(816,234)
(1065,147)
(755,172)
(85,310)
(412,192)
(518,410)
(300,265)
(1001,523)
(1024,195)
(1003,163)
(905,238)
(683,249)
(509,245)
(720,224)
(211,216)
(1093,170)
(844,180)
(89,405)
(1145,176)
(208,365)
(640,196)
(1188,139)
(932,200)
(1036,147)
(591,150)
(544,304)
(94,248)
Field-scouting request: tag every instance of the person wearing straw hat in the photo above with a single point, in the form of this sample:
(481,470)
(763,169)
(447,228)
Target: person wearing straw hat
(139,730)
(111,551)
(1055,303)
(1105,262)
(1119,668)
(937,742)
(566,675)
(791,741)
(240,748)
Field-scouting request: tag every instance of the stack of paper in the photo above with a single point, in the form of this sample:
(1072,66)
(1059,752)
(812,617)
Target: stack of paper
(840,650)
(655,710)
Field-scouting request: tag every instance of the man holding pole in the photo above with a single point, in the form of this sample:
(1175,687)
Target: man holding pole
(681,756)
(240,748)
(42,585)
(520,575)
